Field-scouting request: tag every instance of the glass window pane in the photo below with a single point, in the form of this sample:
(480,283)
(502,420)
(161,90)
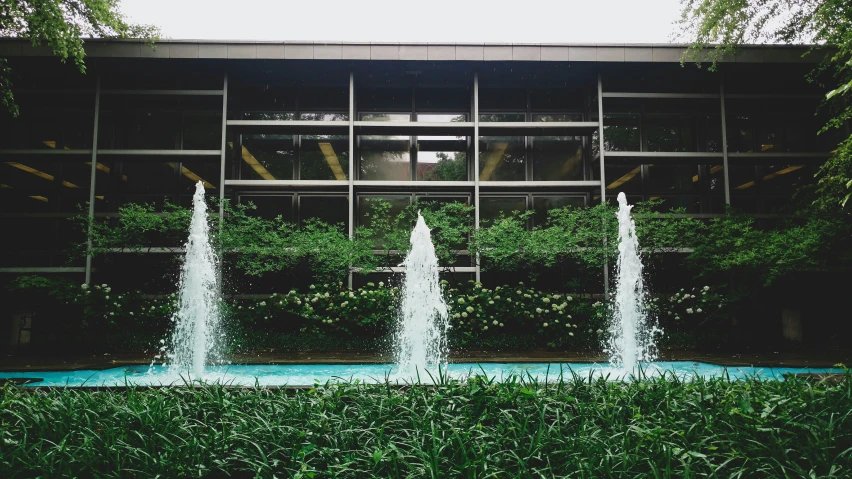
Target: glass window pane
(333,210)
(202,131)
(385,117)
(670,134)
(27,201)
(439,199)
(550,117)
(366,209)
(308,116)
(716,174)
(159,122)
(324,157)
(149,177)
(748,204)
(387,99)
(26,173)
(441,159)
(785,179)
(261,101)
(193,171)
(28,241)
(324,99)
(502,117)
(557,158)
(543,204)
(268,115)
(490,207)
(49,121)
(267,157)
(442,118)
(270,206)
(626,178)
(442,99)
(770,138)
(621,132)
(740,133)
(743,179)
(151,129)
(556,99)
(506,99)
(667,179)
(385,158)
(502,158)
(711,134)
(75,178)
(690,204)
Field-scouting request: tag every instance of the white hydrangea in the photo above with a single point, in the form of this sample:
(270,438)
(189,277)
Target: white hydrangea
(461,301)
(688,310)
(495,322)
(545,325)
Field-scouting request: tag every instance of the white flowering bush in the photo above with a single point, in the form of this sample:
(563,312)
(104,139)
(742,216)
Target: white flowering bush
(549,319)
(688,306)
(518,316)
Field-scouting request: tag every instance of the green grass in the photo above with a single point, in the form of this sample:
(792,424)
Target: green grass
(475,429)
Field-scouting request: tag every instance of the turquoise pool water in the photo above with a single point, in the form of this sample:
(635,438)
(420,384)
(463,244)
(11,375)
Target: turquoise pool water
(309,374)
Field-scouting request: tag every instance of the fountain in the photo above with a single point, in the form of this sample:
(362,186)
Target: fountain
(631,338)
(423,320)
(197,337)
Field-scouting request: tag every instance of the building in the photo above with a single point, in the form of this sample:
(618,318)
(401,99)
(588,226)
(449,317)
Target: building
(301,128)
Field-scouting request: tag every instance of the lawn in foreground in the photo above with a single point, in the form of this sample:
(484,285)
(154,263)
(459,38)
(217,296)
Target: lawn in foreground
(654,427)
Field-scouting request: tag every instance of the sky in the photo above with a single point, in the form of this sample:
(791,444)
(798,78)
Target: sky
(474,21)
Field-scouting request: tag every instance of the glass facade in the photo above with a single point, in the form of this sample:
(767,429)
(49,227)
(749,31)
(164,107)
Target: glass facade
(288,148)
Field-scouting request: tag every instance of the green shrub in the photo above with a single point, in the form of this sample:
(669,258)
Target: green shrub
(574,427)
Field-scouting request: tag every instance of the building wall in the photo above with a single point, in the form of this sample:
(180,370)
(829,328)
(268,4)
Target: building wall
(318,138)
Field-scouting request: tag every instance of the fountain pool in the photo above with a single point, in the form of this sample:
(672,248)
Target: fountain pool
(309,374)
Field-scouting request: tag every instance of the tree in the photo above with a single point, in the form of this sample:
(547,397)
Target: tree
(825,23)
(61,25)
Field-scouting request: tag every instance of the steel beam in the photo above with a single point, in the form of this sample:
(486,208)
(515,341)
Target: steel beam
(416,184)
(45,269)
(92,180)
(725,144)
(540,184)
(222,150)
(351,178)
(660,95)
(46,151)
(476,203)
(601,155)
(125,152)
(300,183)
(165,92)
